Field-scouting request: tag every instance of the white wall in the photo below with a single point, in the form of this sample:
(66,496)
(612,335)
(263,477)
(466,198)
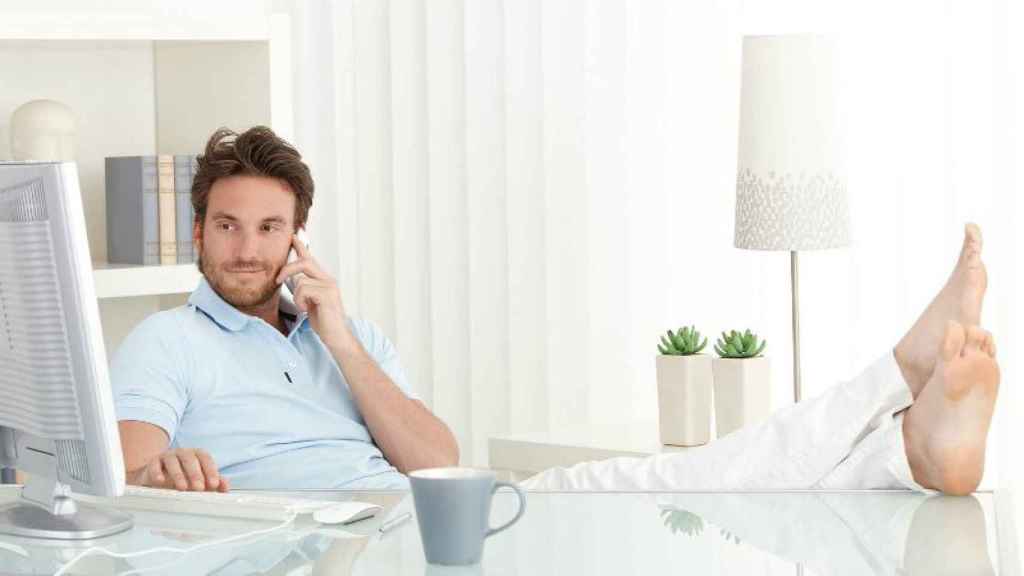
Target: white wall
(203,86)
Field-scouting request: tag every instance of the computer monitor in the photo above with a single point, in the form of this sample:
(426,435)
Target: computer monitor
(57,420)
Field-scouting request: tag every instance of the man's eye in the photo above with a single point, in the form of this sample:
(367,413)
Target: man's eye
(225,226)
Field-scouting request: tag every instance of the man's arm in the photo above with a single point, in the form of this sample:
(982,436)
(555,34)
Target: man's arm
(148,462)
(408,434)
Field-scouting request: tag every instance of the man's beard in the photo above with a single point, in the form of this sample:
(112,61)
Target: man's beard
(241,296)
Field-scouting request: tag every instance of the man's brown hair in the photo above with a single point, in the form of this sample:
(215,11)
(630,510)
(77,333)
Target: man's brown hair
(255,152)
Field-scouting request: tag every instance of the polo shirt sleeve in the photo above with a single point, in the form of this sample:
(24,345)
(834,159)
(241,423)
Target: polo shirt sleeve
(146,375)
(383,351)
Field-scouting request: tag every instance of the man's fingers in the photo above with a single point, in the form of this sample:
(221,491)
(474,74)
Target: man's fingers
(194,470)
(309,292)
(303,265)
(224,485)
(155,473)
(289,270)
(209,469)
(173,469)
(183,469)
(306,266)
(300,247)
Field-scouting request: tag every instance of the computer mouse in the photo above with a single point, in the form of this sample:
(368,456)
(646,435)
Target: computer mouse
(345,512)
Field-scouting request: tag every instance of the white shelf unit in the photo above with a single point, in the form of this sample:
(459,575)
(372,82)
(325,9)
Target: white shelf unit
(123,281)
(145,80)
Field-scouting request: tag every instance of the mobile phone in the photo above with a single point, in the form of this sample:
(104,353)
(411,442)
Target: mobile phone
(292,257)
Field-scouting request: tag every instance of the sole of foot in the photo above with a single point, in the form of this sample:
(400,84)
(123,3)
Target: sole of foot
(947,426)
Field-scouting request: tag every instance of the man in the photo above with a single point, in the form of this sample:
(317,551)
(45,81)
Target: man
(249,386)
(918,418)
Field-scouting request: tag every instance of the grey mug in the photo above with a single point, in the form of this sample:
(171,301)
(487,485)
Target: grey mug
(453,508)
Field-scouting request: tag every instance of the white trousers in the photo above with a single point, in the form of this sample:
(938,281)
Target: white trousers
(848,438)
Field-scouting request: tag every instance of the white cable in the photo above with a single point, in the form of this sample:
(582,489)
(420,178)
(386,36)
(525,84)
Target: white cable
(171,549)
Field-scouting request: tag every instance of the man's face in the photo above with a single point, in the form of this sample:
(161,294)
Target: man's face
(245,238)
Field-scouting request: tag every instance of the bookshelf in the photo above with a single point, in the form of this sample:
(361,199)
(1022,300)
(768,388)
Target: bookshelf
(145,80)
(123,281)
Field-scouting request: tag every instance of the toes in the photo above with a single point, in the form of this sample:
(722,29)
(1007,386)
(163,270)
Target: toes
(953,340)
(972,238)
(989,346)
(975,339)
(970,253)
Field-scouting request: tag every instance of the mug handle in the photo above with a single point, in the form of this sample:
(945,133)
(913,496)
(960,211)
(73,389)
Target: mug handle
(519,513)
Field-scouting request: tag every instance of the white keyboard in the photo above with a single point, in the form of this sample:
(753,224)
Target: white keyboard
(230,504)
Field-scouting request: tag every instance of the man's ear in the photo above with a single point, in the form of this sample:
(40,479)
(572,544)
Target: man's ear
(197,237)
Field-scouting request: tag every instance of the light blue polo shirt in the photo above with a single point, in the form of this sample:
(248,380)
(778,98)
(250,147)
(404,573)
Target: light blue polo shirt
(274,412)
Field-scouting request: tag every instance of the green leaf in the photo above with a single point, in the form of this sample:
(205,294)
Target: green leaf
(737,342)
(702,345)
(677,341)
(761,349)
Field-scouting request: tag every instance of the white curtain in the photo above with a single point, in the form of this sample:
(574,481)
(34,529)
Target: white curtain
(525,194)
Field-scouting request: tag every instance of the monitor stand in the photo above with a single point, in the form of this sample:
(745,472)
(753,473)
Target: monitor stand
(46,510)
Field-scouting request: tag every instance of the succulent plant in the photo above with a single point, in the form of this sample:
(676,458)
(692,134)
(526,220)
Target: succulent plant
(685,342)
(737,345)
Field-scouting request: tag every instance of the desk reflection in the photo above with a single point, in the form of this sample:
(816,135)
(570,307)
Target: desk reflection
(831,533)
(577,533)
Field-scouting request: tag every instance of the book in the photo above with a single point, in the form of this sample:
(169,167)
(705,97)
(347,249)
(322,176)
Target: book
(191,209)
(165,196)
(183,208)
(132,210)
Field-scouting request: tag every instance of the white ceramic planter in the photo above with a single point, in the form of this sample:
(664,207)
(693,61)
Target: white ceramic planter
(684,399)
(742,392)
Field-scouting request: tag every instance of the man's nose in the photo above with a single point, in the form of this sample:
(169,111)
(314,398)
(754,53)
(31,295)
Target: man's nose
(248,248)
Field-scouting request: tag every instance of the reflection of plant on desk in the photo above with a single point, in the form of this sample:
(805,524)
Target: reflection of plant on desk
(682,521)
(690,524)
(729,536)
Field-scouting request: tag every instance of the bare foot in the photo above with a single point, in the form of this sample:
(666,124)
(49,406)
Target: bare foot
(946,428)
(959,300)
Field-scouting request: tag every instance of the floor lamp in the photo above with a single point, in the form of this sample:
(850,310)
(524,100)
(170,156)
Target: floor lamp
(790,182)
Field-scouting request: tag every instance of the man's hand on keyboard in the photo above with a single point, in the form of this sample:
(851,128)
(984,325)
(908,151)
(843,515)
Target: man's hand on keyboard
(181,469)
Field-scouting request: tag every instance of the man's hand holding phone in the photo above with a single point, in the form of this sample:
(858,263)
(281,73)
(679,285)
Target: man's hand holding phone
(316,293)
(185,469)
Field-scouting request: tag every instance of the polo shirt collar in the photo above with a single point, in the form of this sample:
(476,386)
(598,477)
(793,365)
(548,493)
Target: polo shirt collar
(206,299)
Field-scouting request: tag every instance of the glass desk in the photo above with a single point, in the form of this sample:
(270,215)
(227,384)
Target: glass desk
(819,533)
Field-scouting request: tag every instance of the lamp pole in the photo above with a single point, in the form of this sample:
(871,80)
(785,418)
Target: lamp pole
(794,271)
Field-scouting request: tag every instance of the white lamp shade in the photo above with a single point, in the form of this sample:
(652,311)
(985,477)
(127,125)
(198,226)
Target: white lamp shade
(790,181)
